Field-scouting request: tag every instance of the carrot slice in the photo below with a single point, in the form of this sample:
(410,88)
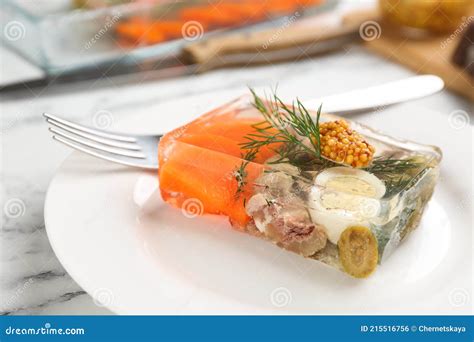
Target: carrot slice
(200,161)
(236,131)
(131,29)
(211,15)
(139,30)
(282,6)
(173,29)
(206,176)
(199,14)
(170,29)
(214,142)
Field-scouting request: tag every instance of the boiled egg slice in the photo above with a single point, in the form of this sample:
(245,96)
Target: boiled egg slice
(344,197)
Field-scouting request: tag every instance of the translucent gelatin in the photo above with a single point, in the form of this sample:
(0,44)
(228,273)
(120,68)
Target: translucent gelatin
(350,218)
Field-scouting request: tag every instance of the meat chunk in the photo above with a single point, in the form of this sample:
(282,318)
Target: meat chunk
(294,230)
(290,228)
(293,226)
(279,212)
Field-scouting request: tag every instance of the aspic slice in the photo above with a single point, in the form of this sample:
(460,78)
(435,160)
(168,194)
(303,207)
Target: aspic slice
(276,174)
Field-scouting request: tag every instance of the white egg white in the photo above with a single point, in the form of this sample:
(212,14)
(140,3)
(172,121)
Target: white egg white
(344,197)
(351,180)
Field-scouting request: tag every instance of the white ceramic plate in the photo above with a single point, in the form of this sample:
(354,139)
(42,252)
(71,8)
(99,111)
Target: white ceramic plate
(133,253)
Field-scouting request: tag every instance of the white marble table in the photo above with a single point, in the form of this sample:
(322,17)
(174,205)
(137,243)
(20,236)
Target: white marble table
(32,279)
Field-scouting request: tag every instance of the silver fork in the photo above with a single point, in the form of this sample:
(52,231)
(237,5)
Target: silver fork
(142,150)
(131,150)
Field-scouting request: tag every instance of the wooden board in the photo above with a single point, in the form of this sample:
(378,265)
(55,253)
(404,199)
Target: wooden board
(431,55)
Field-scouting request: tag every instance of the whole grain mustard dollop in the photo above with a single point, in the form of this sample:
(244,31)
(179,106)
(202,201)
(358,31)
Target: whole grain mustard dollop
(343,145)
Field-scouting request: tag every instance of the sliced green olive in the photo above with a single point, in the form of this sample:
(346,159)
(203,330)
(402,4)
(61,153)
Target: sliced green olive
(358,251)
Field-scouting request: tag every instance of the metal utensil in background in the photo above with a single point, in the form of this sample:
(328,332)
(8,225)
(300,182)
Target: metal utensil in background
(230,50)
(380,96)
(141,150)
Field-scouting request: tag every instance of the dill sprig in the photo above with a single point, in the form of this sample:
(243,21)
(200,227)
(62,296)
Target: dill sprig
(291,128)
(392,166)
(240,174)
(395,185)
(295,137)
(397,174)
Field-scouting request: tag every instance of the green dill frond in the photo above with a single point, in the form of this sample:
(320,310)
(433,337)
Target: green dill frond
(291,129)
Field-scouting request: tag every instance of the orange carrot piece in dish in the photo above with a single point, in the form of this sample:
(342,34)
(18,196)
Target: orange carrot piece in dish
(203,159)
(207,177)
(239,13)
(281,6)
(199,161)
(213,142)
(153,37)
(212,15)
(131,29)
(235,131)
(174,29)
(202,15)
(169,29)
(310,2)
(139,30)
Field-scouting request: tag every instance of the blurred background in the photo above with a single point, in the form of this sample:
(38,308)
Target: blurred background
(99,61)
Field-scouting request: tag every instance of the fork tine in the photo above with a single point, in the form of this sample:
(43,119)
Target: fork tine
(112,150)
(97,132)
(114,143)
(107,156)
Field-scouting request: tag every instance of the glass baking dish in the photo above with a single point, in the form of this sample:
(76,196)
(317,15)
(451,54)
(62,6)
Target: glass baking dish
(67,35)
